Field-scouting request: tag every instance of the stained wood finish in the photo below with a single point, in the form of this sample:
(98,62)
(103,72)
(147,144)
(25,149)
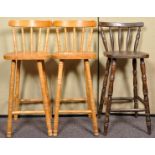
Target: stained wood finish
(91,97)
(87,93)
(128,110)
(35,28)
(77,28)
(76,51)
(31,101)
(114,54)
(58,96)
(128,39)
(74,23)
(38,54)
(120,28)
(36,112)
(146,98)
(126,25)
(27,56)
(17,91)
(11,99)
(135,89)
(105,82)
(74,55)
(124,55)
(109,99)
(77,112)
(68,100)
(45,95)
(30,23)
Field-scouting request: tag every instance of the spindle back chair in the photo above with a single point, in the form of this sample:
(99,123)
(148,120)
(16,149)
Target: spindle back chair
(120,27)
(123,39)
(30,39)
(115,51)
(74,49)
(31,49)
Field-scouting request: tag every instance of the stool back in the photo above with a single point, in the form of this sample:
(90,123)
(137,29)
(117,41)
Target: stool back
(122,36)
(30,35)
(76,35)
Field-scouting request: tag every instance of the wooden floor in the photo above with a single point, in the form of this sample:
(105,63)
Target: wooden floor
(80,127)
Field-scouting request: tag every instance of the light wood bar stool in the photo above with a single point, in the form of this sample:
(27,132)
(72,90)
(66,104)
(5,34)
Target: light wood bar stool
(75,52)
(34,50)
(114,52)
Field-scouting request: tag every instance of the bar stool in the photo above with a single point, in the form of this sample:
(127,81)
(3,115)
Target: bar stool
(35,53)
(74,52)
(113,55)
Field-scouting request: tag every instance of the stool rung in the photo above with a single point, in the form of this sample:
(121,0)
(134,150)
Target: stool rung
(75,112)
(122,99)
(34,112)
(31,101)
(140,99)
(128,110)
(82,100)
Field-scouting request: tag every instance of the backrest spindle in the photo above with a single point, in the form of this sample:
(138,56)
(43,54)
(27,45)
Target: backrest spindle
(66,39)
(111,38)
(74,39)
(58,40)
(128,39)
(46,40)
(39,40)
(120,38)
(23,40)
(90,39)
(104,39)
(14,39)
(137,39)
(82,39)
(31,39)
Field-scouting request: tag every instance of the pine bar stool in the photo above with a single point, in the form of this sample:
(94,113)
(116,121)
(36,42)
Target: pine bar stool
(73,52)
(36,53)
(112,56)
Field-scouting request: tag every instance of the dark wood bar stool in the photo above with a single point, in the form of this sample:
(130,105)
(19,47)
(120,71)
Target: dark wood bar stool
(34,46)
(70,49)
(113,55)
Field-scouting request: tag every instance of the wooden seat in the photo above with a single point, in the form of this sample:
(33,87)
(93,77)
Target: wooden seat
(27,55)
(74,55)
(126,55)
(74,49)
(123,45)
(40,29)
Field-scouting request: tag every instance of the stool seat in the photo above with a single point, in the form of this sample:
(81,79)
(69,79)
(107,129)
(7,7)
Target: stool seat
(126,54)
(27,55)
(74,55)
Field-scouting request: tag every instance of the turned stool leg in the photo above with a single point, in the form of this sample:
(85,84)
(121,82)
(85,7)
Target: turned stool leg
(87,92)
(134,64)
(109,99)
(17,88)
(145,92)
(11,98)
(57,99)
(105,82)
(47,93)
(92,104)
(46,100)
